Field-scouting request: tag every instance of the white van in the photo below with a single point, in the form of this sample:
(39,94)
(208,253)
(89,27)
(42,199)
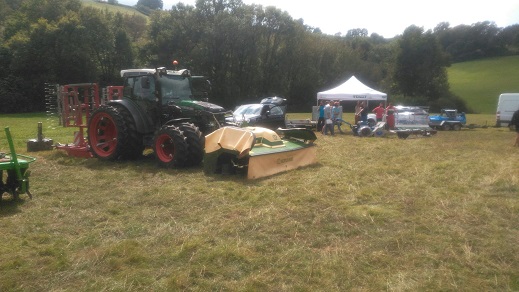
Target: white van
(507,104)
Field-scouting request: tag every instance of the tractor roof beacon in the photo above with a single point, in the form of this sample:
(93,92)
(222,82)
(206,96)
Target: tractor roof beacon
(166,110)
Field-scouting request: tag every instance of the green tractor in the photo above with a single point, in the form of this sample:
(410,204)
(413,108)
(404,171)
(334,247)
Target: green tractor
(166,110)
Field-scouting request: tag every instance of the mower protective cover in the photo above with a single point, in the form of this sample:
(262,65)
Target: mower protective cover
(259,151)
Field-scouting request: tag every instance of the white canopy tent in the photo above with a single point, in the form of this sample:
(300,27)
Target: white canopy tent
(350,90)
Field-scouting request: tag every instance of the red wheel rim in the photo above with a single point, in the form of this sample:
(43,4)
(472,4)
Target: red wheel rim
(164,147)
(103,134)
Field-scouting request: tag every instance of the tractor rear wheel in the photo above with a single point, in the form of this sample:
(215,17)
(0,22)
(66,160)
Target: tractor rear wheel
(170,147)
(195,142)
(107,133)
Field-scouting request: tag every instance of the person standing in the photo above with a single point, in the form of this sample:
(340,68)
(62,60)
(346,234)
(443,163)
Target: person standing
(357,112)
(363,112)
(379,112)
(336,116)
(515,122)
(320,121)
(328,122)
(390,116)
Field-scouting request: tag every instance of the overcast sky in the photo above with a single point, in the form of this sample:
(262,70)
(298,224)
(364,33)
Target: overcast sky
(386,17)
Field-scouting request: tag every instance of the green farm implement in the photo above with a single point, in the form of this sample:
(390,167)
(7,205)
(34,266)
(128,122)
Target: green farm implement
(15,181)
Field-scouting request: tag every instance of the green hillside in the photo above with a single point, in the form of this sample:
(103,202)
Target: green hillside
(480,82)
(113,8)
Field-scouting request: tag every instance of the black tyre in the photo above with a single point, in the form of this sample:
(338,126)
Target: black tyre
(195,142)
(107,133)
(456,127)
(134,144)
(402,135)
(446,127)
(170,147)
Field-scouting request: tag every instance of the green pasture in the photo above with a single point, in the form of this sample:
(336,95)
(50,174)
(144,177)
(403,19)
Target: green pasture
(433,213)
(112,8)
(481,82)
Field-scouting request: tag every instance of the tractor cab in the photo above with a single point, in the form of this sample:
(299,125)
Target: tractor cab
(165,95)
(159,92)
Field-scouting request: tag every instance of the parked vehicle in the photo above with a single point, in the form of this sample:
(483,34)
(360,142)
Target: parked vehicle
(159,109)
(269,113)
(507,104)
(448,119)
(412,120)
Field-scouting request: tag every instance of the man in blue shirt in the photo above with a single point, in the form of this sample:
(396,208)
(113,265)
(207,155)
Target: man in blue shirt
(320,121)
(336,116)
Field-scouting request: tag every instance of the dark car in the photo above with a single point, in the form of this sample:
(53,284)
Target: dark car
(269,113)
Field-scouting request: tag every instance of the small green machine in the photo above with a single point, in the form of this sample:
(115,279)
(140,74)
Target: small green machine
(15,181)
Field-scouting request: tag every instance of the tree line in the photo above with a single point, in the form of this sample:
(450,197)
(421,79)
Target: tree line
(247,51)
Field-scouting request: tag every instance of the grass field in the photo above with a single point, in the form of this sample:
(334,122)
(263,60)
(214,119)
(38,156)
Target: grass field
(113,8)
(481,82)
(434,213)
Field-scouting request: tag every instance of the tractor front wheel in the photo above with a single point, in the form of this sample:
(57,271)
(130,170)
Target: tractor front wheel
(170,147)
(195,142)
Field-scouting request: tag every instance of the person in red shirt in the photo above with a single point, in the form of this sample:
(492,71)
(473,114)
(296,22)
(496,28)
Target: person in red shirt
(379,112)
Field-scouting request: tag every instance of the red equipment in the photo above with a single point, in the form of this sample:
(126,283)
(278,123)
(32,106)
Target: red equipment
(76,103)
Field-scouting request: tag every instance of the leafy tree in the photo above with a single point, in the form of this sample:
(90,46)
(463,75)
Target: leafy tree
(5,10)
(248,51)
(173,34)
(136,27)
(470,42)
(509,36)
(31,36)
(420,66)
(357,32)
(151,4)
(58,41)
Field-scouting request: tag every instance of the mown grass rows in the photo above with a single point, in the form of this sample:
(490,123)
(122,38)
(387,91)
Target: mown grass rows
(425,213)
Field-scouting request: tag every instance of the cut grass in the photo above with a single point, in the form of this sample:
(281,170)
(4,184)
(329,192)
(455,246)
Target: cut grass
(425,213)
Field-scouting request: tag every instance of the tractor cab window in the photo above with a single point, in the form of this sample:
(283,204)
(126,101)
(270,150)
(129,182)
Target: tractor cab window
(143,88)
(128,86)
(175,88)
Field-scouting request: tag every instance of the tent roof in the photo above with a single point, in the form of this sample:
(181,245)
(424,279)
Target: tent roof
(352,89)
